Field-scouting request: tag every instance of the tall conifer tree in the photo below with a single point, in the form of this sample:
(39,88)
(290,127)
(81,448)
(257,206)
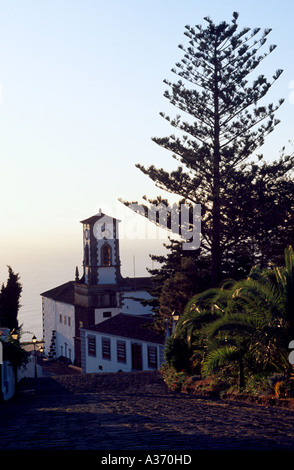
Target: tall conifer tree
(224,123)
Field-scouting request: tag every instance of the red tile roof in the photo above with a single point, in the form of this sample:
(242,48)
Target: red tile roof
(94,218)
(129,326)
(63,293)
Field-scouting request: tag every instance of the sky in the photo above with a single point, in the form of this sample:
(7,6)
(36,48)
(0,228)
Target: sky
(81,88)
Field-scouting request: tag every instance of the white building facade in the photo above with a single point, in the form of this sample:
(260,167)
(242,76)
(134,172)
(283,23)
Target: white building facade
(7,376)
(124,343)
(60,327)
(99,295)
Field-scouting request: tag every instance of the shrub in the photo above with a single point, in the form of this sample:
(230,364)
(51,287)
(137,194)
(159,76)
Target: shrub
(282,389)
(13,352)
(175,380)
(177,354)
(258,384)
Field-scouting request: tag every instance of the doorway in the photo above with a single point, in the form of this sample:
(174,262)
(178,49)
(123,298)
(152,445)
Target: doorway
(137,356)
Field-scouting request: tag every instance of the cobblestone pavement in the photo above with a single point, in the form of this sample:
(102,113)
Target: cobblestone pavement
(134,411)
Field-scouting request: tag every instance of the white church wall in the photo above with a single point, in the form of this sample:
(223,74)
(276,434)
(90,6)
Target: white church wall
(60,317)
(107,275)
(102,314)
(49,322)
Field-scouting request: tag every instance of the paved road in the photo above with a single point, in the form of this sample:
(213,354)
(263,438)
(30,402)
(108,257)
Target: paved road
(134,411)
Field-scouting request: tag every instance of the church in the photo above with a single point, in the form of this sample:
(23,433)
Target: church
(97,321)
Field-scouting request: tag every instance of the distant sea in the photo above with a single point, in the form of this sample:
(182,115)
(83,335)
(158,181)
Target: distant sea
(41,270)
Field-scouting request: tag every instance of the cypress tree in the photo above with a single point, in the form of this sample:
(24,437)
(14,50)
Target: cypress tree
(10,301)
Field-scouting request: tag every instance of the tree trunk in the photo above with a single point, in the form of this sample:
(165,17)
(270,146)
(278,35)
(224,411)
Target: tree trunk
(241,374)
(215,249)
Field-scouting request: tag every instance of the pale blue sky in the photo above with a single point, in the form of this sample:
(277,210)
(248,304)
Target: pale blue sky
(82,86)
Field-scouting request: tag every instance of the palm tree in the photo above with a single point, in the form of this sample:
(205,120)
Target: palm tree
(259,320)
(201,310)
(249,321)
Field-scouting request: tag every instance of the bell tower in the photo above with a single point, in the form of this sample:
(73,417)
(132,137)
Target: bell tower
(101,261)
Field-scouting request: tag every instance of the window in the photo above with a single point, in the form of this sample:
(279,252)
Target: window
(105,300)
(106,314)
(106,348)
(121,351)
(152,357)
(68,321)
(106,255)
(60,318)
(64,320)
(113,300)
(109,300)
(92,346)
(86,255)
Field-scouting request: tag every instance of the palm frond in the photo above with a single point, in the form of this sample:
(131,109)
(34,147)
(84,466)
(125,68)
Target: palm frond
(237,321)
(219,357)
